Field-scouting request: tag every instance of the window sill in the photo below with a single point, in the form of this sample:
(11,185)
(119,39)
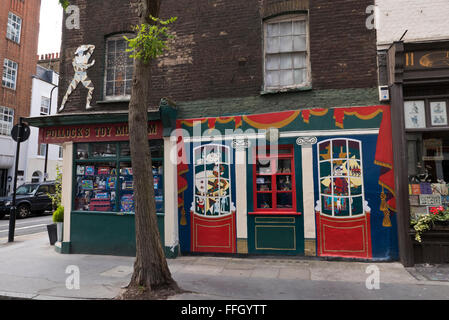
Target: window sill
(275,213)
(285,90)
(113,101)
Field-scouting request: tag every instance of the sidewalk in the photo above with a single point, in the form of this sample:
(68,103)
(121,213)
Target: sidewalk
(31,269)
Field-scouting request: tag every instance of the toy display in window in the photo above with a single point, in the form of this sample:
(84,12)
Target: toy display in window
(284,183)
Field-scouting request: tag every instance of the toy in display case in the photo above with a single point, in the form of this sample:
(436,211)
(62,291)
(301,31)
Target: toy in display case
(80,170)
(87,185)
(111,182)
(103,171)
(126,171)
(127,203)
(90,171)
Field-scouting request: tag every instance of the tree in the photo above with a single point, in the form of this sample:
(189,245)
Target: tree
(151,272)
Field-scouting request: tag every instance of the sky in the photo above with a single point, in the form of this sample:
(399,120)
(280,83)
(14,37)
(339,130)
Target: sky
(50,27)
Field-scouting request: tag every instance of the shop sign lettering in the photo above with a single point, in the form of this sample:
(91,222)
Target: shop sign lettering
(92,133)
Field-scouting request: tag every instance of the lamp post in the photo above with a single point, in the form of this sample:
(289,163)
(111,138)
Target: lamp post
(46,146)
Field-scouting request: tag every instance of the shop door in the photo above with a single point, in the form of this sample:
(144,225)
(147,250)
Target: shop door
(342,214)
(213,212)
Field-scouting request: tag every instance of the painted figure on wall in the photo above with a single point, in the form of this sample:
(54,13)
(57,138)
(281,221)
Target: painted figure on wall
(80,65)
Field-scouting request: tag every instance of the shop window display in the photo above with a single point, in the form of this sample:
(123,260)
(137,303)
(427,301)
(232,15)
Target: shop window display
(428,171)
(107,186)
(274,181)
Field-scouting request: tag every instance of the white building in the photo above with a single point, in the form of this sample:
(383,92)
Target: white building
(44,100)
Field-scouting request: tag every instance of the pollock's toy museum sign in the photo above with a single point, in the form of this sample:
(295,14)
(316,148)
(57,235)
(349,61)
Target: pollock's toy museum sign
(93,133)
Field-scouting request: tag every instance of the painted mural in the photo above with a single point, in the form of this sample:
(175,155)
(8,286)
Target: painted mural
(353,186)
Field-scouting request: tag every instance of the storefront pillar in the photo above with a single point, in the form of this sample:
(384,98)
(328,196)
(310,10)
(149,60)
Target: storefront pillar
(241,197)
(401,175)
(308,201)
(67,183)
(171,199)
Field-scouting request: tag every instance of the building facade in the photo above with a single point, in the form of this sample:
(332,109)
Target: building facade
(42,163)
(413,48)
(281,143)
(19,28)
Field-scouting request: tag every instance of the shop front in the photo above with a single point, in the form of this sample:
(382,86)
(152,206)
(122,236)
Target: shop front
(419,82)
(314,182)
(98,179)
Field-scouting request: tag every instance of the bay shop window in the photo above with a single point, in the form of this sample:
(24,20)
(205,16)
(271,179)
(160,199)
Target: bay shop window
(103,177)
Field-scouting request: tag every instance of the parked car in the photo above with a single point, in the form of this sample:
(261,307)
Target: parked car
(30,198)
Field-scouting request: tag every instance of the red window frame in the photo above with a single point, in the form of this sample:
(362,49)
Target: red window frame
(282,154)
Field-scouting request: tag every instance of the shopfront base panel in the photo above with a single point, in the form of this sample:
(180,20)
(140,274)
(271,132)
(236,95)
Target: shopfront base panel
(107,234)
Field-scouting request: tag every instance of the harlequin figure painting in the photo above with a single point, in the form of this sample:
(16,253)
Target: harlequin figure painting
(80,65)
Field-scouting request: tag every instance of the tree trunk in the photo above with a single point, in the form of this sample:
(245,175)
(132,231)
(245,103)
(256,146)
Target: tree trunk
(151,271)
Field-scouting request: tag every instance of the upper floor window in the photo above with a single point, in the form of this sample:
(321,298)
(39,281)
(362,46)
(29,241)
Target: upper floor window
(286,53)
(119,69)
(6,120)
(45,105)
(14,27)
(9,74)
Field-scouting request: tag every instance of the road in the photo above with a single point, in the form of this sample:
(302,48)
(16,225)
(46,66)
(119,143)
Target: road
(30,225)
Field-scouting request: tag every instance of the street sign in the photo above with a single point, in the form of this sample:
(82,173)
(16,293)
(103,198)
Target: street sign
(24,132)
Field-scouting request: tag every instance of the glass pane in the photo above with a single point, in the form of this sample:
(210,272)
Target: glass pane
(341,186)
(325,169)
(354,168)
(284,200)
(341,207)
(286,78)
(96,187)
(110,75)
(326,205)
(111,46)
(263,183)
(340,169)
(158,183)
(356,186)
(126,200)
(299,60)
(325,153)
(128,87)
(273,78)
(103,150)
(284,183)
(354,149)
(299,43)
(273,62)
(284,166)
(285,44)
(125,150)
(299,27)
(273,29)
(264,201)
(225,205)
(110,88)
(200,203)
(156,149)
(357,206)
(285,28)
(339,149)
(82,151)
(273,45)
(263,166)
(119,88)
(286,61)
(326,186)
(300,76)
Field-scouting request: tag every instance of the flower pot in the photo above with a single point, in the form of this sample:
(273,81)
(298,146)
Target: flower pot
(59,227)
(52,233)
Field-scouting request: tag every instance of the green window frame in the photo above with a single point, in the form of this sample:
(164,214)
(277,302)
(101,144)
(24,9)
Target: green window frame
(102,171)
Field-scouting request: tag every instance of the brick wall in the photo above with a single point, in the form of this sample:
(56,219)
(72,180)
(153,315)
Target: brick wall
(218,50)
(25,53)
(424,20)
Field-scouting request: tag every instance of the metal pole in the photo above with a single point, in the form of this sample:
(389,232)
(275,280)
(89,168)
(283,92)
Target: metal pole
(46,146)
(12,214)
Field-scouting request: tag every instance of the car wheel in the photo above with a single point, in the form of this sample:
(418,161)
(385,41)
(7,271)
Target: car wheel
(23,211)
